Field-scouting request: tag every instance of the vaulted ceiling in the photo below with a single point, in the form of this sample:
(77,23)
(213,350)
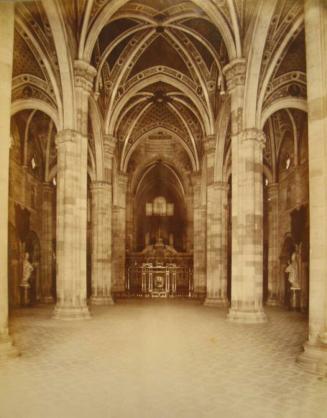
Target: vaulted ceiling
(159,62)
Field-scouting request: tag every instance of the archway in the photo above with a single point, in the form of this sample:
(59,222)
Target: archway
(32,207)
(160,209)
(158,229)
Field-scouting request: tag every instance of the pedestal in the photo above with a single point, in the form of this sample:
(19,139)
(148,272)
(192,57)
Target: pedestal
(101,300)
(272,301)
(247,317)
(47,299)
(25,295)
(215,302)
(295,298)
(71,313)
(314,358)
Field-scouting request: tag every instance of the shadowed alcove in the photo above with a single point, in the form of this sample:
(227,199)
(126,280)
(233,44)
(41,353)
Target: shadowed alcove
(160,208)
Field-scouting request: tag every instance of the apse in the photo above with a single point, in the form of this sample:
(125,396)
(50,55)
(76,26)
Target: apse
(160,209)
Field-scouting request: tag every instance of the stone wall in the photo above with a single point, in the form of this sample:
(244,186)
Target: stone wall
(26,191)
(293,192)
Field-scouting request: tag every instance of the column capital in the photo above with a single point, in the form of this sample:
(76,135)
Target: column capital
(254,134)
(209,144)
(221,186)
(196,178)
(84,74)
(99,185)
(272,189)
(235,73)
(122,178)
(69,135)
(47,186)
(109,144)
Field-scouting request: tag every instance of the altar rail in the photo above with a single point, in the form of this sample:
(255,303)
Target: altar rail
(159,281)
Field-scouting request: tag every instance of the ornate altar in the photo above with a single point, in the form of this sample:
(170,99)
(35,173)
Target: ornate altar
(159,271)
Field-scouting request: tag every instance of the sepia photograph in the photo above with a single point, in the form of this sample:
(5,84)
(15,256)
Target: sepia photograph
(163,208)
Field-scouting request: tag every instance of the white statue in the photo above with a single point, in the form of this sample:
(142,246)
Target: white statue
(27,271)
(293,274)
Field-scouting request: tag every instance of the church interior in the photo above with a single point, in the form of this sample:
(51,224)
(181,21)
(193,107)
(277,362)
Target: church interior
(163,223)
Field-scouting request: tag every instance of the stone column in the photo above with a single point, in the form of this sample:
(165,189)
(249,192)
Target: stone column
(46,247)
(217,244)
(101,193)
(314,357)
(119,235)
(199,240)
(71,225)
(273,255)
(129,221)
(216,286)
(6,58)
(72,146)
(189,223)
(247,206)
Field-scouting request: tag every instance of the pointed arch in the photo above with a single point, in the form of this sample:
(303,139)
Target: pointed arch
(283,103)
(57,24)
(110,120)
(265,12)
(114,5)
(129,153)
(36,104)
(283,45)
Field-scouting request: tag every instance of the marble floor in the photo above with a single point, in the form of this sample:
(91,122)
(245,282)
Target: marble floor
(158,359)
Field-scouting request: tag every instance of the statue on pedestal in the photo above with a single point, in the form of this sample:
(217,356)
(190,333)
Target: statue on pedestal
(27,271)
(293,278)
(25,284)
(293,272)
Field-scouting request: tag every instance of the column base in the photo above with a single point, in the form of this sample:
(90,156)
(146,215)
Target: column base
(101,300)
(118,288)
(7,349)
(215,302)
(246,317)
(272,302)
(71,312)
(47,299)
(314,359)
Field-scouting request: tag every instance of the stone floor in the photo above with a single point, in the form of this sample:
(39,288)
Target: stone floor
(158,359)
